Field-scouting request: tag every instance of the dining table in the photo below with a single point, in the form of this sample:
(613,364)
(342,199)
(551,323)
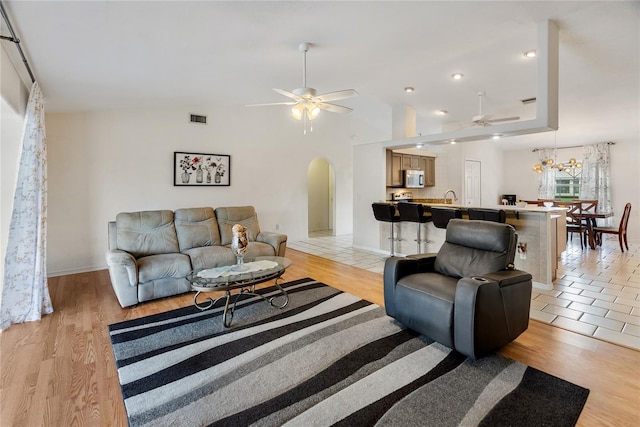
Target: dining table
(591,218)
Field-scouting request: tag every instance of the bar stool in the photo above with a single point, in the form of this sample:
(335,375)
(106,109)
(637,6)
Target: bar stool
(442,216)
(414,212)
(494,215)
(386,212)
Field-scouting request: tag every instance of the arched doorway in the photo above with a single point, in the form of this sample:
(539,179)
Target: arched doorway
(320,193)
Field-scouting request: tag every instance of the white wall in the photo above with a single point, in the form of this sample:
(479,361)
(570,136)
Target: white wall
(13,102)
(102,163)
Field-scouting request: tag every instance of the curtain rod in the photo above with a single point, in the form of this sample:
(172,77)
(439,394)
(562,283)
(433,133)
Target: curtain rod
(15,40)
(576,146)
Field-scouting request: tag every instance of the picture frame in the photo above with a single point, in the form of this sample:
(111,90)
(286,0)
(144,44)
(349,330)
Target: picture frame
(201,169)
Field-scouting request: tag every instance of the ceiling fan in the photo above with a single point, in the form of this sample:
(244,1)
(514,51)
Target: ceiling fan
(486,119)
(305,101)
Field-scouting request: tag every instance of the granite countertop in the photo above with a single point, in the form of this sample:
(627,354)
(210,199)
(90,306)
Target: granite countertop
(509,208)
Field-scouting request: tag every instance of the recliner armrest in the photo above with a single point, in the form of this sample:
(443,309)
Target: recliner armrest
(119,258)
(277,240)
(507,277)
(490,310)
(395,268)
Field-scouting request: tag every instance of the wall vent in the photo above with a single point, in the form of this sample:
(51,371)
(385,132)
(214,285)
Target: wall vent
(528,101)
(196,118)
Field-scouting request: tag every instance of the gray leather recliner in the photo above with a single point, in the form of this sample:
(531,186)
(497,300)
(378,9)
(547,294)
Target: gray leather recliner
(468,296)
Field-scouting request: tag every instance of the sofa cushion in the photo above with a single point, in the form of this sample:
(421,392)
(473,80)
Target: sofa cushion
(155,267)
(146,233)
(473,248)
(196,227)
(431,293)
(210,257)
(229,216)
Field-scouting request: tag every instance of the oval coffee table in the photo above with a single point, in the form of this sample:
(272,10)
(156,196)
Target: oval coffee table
(225,279)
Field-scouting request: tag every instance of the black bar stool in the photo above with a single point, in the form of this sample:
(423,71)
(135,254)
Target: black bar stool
(414,212)
(442,216)
(494,215)
(386,212)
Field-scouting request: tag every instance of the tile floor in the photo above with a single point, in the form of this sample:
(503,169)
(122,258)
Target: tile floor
(597,292)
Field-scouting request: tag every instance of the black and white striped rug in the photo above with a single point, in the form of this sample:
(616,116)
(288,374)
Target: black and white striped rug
(328,358)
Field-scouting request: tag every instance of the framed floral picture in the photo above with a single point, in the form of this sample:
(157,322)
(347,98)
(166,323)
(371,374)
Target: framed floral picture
(200,169)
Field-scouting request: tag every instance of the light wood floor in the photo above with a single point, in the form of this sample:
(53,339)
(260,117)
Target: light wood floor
(60,371)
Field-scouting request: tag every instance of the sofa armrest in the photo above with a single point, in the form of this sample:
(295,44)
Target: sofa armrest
(118,259)
(277,240)
(490,311)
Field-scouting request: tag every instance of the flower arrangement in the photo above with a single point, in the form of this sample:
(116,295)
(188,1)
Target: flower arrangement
(217,165)
(186,164)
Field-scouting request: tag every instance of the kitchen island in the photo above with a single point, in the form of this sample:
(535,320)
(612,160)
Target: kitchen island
(541,238)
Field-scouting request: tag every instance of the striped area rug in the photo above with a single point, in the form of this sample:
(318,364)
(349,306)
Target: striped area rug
(328,358)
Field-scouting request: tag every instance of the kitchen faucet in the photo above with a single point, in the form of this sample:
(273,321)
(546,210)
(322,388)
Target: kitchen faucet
(454,195)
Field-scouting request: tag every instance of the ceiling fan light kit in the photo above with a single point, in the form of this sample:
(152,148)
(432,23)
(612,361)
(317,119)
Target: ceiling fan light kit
(306,103)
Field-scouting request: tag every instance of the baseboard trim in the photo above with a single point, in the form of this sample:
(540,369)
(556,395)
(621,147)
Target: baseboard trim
(57,273)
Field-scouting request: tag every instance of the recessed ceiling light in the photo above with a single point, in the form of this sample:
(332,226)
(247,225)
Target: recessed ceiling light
(530,54)
(409,89)
(419,146)
(453,141)
(442,112)
(457,76)
(496,136)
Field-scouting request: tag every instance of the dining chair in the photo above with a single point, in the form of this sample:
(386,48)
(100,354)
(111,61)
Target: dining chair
(621,231)
(575,223)
(589,207)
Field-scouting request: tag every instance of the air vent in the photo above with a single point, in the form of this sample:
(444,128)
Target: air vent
(195,118)
(528,101)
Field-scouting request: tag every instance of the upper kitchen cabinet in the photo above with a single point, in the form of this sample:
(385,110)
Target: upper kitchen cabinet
(397,162)
(410,162)
(394,169)
(430,171)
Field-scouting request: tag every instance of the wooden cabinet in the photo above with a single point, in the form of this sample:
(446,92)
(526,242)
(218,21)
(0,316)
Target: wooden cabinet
(410,162)
(397,162)
(394,169)
(430,172)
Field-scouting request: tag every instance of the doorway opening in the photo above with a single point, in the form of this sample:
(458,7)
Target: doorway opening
(320,193)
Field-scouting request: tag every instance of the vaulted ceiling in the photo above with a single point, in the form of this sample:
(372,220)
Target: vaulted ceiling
(153,54)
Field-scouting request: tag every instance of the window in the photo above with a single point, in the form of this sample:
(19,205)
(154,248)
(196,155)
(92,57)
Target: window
(568,181)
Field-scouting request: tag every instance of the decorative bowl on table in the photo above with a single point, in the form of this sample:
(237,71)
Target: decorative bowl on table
(548,204)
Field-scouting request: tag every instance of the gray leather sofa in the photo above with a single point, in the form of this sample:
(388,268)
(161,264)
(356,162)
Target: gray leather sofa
(151,252)
(468,296)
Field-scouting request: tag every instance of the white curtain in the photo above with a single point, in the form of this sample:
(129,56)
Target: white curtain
(25,295)
(595,182)
(547,179)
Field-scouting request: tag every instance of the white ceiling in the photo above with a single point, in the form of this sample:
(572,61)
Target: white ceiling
(154,54)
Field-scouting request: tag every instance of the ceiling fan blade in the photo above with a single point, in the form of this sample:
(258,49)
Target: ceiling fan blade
(334,96)
(333,108)
(272,103)
(504,119)
(288,94)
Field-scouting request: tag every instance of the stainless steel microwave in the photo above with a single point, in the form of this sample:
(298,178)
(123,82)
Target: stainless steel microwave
(413,178)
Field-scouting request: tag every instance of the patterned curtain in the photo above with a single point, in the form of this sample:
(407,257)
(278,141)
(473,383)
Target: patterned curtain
(547,179)
(595,183)
(25,295)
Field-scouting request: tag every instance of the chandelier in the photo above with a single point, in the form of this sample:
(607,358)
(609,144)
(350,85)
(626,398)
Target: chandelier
(572,168)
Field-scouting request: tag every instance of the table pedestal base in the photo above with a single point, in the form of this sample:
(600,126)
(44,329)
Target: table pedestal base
(229,308)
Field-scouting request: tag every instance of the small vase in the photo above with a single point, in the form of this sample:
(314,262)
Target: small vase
(185,177)
(218,177)
(239,244)
(199,173)
(208,177)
